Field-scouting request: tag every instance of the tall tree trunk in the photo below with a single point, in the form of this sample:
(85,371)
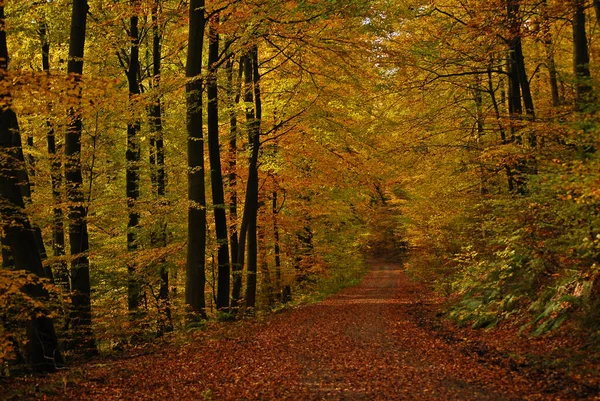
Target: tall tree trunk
(43,353)
(234,97)
(196,255)
(132,156)
(503,138)
(479,121)
(518,89)
(266,285)
(524,83)
(61,273)
(216,175)
(157,166)
(517,71)
(548,45)
(248,226)
(581,59)
(81,316)
(251,205)
(276,242)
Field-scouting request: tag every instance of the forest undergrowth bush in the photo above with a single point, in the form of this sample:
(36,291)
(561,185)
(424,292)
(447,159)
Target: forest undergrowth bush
(530,260)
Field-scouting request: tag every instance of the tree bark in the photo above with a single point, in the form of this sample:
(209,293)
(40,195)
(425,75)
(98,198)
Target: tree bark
(549,46)
(503,138)
(479,123)
(132,156)
(81,316)
(43,353)
(266,285)
(517,70)
(248,226)
(276,244)
(196,255)
(234,96)
(216,175)
(584,96)
(519,88)
(60,268)
(251,205)
(158,177)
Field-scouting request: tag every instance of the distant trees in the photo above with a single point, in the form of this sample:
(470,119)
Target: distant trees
(508,250)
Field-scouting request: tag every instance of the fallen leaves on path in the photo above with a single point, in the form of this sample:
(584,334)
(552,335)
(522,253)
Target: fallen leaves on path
(375,341)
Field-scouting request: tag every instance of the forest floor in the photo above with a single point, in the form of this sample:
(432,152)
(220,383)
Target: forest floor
(381,340)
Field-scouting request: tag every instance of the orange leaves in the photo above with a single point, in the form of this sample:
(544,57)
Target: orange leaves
(381,340)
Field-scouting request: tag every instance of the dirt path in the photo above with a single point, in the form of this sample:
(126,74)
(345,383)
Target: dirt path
(363,344)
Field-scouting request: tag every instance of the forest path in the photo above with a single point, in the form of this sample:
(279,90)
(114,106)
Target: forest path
(365,343)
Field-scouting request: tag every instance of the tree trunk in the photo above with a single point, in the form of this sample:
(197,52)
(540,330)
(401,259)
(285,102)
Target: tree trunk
(253,225)
(157,166)
(216,176)
(248,226)
(132,156)
(479,123)
(60,269)
(503,138)
(196,255)
(276,244)
(518,86)
(581,59)
(43,354)
(42,344)
(81,316)
(266,285)
(548,45)
(234,96)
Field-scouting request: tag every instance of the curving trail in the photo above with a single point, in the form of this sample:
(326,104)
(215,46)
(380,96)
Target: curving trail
(365,343)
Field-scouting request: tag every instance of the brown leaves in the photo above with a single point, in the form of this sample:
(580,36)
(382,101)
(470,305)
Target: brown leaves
(377,341)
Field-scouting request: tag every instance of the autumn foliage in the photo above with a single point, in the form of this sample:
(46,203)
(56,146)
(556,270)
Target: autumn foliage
(177,162)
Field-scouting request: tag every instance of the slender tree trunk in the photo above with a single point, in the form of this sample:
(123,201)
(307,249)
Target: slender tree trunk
(503,138)
(524,83)
(266,285)
(251,279)
(81,316)
(253,226)
(216,175)
(26,191)
(157,166)
(196,255)
(248,226)
(517,71)
(61,273)
(43,353)
(132,156)
(518,86)
(584,96)
(234,96)
(479,121)
(549,46)
(276,243)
